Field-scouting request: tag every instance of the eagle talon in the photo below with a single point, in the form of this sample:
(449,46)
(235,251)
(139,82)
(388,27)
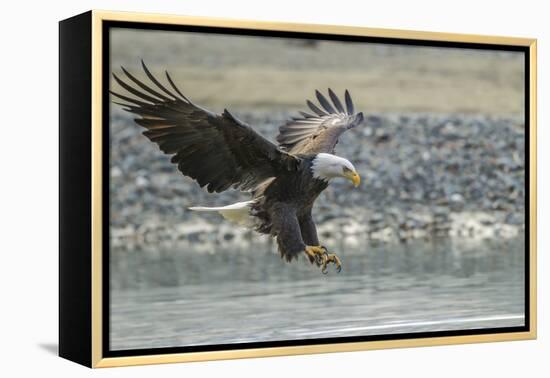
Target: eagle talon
(321,257)
(319,260)
(316,254)
(331,258)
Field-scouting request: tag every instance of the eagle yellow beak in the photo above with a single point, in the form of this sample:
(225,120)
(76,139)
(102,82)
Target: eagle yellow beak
(353,177)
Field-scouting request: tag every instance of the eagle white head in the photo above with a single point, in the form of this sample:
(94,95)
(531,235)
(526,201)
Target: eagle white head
(327,166)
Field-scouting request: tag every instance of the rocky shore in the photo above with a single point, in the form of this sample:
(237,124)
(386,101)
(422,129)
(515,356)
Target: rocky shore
(424,176)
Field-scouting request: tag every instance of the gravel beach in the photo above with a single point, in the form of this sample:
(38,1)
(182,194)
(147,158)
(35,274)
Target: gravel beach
(424,176)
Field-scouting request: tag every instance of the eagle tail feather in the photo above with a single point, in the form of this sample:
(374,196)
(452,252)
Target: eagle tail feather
(238,213)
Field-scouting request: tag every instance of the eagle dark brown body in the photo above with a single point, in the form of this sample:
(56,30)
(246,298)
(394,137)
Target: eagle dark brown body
(284,210)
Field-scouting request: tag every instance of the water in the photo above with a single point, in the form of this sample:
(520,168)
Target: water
(180,297)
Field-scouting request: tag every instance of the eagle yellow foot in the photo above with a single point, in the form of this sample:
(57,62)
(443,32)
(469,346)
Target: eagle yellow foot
(331,258)
(320,256)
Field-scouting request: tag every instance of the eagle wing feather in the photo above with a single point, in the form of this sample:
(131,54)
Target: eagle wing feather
(319,132)
(217,150)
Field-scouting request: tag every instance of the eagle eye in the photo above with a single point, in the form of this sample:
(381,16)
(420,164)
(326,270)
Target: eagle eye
(346,169)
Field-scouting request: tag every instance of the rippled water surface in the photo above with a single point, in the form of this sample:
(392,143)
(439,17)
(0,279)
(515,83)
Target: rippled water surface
(176,297)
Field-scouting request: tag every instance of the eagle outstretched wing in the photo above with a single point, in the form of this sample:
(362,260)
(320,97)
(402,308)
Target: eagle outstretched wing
(319,132)
(218,151)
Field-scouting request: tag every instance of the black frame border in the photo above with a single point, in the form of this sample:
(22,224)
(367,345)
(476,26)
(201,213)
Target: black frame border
(106,27)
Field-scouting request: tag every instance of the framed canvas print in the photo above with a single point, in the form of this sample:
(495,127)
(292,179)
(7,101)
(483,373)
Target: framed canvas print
(234,189)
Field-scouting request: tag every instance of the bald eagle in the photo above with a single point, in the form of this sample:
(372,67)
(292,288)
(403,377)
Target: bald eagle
(221,152)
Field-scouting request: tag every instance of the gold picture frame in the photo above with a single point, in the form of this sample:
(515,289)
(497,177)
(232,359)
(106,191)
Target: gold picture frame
(83,319)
